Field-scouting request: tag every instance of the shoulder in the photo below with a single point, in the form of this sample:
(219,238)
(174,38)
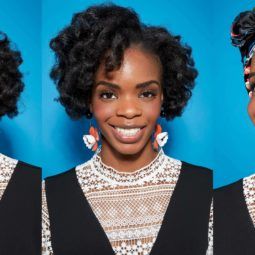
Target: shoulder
(29,168)
(195,175)
(16,163)
(237,185)
(188,166)
(232,190)
(196,169)
(249,179)
(69,172)
(7,162)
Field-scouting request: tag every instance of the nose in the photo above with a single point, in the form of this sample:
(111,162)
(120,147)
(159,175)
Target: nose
(128,108)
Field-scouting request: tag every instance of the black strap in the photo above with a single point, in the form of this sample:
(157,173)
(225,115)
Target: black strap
(185,227)
(234,233)
(20,212)
(75,229)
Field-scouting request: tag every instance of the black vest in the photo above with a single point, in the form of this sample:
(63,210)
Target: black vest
(76,230)
(234,233)
(20,212)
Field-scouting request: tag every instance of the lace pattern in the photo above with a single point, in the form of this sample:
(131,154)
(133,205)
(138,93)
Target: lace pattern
(130,206)
(210,232)
(249,194)
(46,235)
(7,166)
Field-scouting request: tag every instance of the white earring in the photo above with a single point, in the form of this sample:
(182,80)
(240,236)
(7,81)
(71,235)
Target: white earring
(162,138)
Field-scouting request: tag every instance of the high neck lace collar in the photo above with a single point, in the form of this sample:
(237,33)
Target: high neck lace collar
(138,175)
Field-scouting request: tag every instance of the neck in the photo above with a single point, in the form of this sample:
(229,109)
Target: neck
(127,162)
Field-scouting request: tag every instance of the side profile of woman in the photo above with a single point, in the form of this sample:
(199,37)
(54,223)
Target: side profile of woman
(130,197)
(234,204)
(20,183)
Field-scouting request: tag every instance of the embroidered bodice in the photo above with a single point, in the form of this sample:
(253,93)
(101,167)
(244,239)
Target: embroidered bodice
(249,194)
(130,206)
(7,166)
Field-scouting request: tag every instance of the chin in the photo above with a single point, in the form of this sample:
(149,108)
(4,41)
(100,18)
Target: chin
(128,149)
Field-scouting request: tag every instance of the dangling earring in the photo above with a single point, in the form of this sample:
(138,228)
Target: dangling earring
(160,138)
(92,139)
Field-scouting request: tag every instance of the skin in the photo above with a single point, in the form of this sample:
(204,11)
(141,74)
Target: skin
(128,105)
(251,105)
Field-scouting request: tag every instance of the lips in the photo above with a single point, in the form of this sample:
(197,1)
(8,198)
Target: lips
(127,127)
(128,139)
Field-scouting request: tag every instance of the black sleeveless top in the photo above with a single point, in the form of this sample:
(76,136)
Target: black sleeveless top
(76,230)
(234,233)
(20,212)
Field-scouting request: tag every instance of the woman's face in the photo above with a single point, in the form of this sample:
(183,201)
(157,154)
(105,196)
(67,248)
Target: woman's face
(251,106)
(129,97)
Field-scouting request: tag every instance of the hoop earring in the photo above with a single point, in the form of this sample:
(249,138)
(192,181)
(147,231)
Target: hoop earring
(160,138)
(91,140)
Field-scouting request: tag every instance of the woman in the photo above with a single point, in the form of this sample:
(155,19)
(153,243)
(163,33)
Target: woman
(130,197)
(235,203)
(20,188)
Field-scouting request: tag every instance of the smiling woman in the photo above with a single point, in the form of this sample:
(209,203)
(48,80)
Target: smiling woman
(130,197)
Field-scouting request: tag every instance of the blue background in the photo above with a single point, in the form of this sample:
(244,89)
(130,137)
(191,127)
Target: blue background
(20,136)
(214,130)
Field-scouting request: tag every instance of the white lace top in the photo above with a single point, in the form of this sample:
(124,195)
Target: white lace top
(249,194)
(129,206)
(7,166)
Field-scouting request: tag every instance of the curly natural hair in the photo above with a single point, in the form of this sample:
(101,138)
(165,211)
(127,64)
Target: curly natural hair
(104,32)
(11,84)
(244,26)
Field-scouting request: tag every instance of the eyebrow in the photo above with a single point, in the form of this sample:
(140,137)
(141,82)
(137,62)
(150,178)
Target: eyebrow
(116,86)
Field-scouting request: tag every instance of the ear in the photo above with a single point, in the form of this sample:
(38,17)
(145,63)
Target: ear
(162,98)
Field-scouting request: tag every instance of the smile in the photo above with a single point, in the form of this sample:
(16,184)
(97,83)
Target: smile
(127,135)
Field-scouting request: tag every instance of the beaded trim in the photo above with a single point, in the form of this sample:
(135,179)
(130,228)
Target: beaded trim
(249,194)
(7,166)
(108,173)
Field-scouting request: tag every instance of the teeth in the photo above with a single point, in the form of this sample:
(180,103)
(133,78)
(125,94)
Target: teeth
(128,132)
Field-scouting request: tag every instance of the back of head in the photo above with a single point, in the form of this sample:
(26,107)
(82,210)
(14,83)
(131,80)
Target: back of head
(243,37)
(11,84)
(243,31)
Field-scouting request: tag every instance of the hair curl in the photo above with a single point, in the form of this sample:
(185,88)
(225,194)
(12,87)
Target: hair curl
(244,26)
(11,84)
(104,32)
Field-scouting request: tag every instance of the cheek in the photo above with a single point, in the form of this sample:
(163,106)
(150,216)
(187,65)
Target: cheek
(152,111)
(251,109)
(102,111)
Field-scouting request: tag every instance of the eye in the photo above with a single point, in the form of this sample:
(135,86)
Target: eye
(106,95)
(149,94)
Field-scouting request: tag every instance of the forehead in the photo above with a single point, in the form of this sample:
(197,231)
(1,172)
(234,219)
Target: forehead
(137,66)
